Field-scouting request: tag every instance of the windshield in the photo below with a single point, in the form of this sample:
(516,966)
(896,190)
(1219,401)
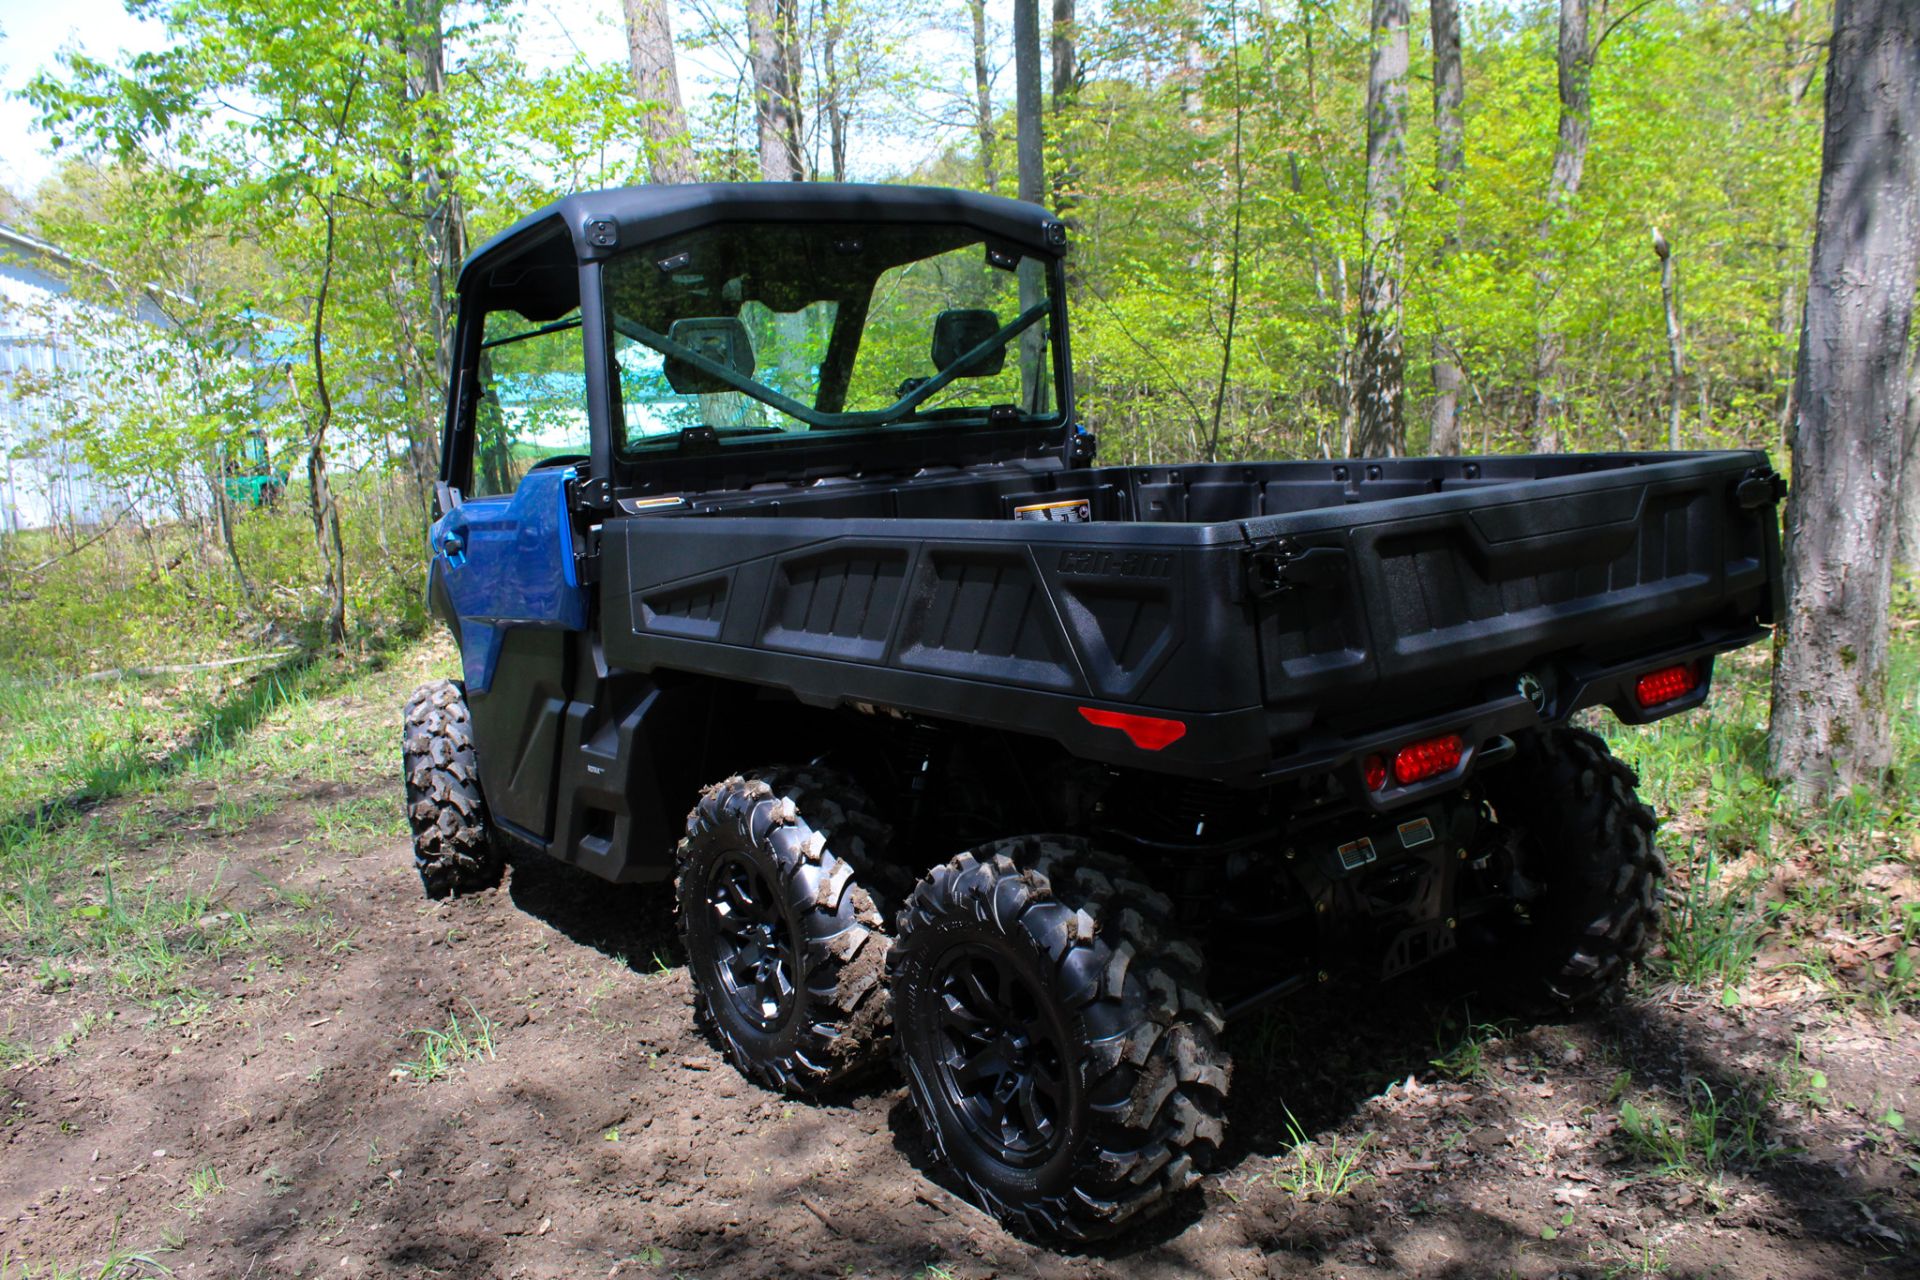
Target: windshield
(776,331)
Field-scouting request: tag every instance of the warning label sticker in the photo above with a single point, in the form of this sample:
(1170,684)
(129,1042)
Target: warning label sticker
(1072,511)
(1356,854)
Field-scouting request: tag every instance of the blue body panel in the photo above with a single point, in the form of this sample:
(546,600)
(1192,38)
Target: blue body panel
(508,562)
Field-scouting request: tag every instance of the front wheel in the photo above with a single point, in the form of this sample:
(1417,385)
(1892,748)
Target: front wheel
(452,850)
(1054,1037)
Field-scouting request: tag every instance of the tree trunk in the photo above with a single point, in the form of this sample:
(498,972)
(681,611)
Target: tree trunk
(1450,160)
(983,96)
(790,79)
(1907,543)
(326,515)
(1066,72)
(1233,262)
(771,38)
(1066,79)
(445,219)
(1380,362)
(657,83)
(1830,725)
(223,509)
(1029,141)
(1563,184)
(1030,147)
(1676,349)
(833,96)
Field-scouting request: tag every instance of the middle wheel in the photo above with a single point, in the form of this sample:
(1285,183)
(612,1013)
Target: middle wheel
(1054,1036)
(786,948)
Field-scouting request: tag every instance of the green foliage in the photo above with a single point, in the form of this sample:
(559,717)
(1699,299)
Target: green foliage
(1751,875)
(1210,160)
(165,594)
(1706,124)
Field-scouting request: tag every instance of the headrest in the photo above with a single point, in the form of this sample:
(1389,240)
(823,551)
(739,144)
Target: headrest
(959,330)
(721,339)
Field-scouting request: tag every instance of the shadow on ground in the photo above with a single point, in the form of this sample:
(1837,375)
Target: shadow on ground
(631,923)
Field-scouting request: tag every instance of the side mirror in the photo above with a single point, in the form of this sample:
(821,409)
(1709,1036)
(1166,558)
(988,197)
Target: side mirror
(721,339)
(959,330)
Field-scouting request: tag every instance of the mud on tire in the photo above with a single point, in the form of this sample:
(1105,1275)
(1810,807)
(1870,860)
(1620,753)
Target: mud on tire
(786,938)
(1587,837)
(1133,1111)
(451,848)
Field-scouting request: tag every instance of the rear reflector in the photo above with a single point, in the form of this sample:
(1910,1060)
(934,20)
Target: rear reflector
(1657,688)
(1376,771)
(1149,733)
(1428,758)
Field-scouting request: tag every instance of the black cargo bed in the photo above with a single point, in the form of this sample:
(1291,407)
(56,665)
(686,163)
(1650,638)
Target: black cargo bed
(1282,615)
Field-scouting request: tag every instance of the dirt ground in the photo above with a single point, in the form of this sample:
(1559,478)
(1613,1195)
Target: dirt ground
(268,1127)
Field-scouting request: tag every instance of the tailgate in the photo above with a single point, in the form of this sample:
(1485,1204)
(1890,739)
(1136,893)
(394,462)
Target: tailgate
(1412,598)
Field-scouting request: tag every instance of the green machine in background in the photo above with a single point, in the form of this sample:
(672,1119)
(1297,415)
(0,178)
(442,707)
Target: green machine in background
(250,478)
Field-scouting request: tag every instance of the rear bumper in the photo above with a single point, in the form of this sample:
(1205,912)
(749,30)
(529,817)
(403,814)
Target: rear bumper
(1562,694)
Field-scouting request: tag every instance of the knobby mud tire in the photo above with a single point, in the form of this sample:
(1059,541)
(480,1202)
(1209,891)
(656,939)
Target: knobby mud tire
(451,847)
(1150,1088)
(813,836)
(1589,839)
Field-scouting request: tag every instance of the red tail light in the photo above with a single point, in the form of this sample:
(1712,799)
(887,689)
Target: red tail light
(1656,688)
(1428,758)
(1415,762)
(1149,733)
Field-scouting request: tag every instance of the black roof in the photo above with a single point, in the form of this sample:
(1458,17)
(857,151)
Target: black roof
(602,223)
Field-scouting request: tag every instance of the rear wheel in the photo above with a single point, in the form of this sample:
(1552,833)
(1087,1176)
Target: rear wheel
(1055,1038)
(1583,846)
(786,946)
(451,848)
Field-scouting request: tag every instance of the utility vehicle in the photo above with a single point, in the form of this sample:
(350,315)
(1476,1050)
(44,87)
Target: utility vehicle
(781,569)
(251,479)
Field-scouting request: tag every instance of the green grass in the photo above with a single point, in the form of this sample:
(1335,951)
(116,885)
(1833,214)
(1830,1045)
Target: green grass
(1703,1133)
(440,1053)
(71,746)
(1463,1056)
(1318,1170)
(120,1263)
(1713,929)
(348,824)
(202,1185)
(105,880)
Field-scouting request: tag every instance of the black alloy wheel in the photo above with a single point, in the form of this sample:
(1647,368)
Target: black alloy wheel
(786,940)
(1004,1066)
(756,948)
(1056,1037)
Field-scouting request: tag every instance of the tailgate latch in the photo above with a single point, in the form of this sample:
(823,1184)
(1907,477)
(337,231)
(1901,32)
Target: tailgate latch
(1762,487)
(1285,566)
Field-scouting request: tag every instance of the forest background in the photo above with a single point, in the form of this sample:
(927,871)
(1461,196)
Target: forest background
(1302,228)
